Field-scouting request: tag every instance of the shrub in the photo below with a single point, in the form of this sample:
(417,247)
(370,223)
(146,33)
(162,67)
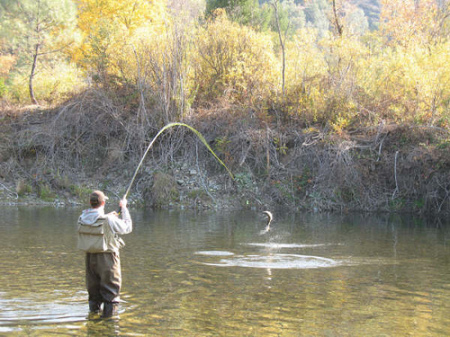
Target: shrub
(51,84)
(234,61)
(164,190)
(23,188)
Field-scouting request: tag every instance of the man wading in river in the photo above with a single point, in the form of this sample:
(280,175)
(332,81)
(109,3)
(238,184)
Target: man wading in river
(98,236)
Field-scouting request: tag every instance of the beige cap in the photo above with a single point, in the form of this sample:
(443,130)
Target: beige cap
(97,198)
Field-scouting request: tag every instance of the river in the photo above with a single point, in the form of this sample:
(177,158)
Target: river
(213,274)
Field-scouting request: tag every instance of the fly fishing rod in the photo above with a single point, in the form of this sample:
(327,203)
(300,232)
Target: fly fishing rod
(170,125)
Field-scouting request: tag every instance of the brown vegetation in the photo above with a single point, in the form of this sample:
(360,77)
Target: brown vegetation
(92,138)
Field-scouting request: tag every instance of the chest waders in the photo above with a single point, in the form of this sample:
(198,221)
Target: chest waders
(103,275)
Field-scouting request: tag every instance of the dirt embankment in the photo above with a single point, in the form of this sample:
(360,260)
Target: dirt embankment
(58,156)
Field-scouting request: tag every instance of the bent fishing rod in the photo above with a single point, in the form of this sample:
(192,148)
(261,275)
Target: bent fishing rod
(199,135)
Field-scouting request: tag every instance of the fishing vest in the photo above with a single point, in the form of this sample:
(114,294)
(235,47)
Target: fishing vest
(98,237)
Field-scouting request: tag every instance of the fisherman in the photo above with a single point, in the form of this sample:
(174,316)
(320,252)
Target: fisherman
(98,236)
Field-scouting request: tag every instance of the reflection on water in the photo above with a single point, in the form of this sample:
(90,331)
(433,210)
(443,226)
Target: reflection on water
(212,274)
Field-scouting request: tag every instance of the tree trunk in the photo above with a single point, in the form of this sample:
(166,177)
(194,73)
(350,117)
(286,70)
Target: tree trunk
(283,70)
(33,69)
(339,27)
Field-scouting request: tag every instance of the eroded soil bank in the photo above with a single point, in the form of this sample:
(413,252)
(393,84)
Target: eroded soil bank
(58,156)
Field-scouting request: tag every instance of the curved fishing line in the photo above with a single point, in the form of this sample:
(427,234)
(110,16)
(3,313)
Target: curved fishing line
(199,135)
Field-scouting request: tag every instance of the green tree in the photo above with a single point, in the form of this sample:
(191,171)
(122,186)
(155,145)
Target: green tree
(35,29)
(317,16)
(246,12)
(356,22)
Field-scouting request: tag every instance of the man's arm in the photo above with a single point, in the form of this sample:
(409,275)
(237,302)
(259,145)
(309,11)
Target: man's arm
(122,225)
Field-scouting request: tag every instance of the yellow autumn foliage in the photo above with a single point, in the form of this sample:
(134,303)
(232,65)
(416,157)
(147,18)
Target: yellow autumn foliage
(53,83)
(408,85)
(321,78)
(409,22)
(306,69)
(106,28)
(168,63)
(234,61)
(7,61)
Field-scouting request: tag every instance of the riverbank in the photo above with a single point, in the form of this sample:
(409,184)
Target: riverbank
(57,156)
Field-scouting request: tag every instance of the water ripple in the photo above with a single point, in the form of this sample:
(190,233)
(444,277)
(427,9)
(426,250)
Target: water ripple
(277,261)
(28,311)
(214,253)
(275,245)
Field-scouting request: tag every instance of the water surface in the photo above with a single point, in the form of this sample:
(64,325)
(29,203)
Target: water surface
(213,274)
